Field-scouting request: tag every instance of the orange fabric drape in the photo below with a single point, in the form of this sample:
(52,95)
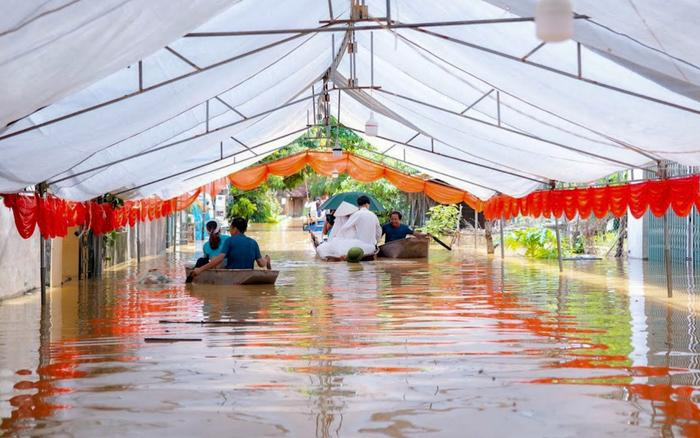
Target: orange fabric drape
(357,167)
(657,196)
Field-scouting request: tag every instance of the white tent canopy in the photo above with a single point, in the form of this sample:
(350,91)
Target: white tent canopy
(116,96)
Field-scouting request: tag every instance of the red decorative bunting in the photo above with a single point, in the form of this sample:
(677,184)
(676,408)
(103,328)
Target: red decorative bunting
(680,194)
(55,216)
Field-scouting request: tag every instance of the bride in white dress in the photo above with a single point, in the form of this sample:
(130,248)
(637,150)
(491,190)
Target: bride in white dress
(339,240)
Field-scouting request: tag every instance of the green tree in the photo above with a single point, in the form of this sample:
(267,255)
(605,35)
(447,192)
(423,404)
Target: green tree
(442,220)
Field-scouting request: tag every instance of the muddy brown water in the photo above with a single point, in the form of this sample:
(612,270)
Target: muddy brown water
(460,345)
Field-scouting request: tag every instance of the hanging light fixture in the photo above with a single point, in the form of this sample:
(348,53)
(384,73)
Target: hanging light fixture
(554,20)
(334,174)
(371,126)
(337,150)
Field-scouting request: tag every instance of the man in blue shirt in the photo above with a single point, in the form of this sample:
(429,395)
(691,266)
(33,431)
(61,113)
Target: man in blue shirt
(239,250)
(395,230)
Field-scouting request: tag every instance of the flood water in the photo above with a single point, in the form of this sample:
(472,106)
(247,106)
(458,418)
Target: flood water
(462,345)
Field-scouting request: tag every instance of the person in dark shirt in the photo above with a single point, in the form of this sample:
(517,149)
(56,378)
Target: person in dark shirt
(395,230)
(239,250)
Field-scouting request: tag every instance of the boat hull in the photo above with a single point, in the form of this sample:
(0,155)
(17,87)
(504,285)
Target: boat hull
(412,248)
(227,277)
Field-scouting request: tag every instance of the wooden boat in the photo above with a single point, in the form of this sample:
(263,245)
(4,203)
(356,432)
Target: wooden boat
(411,248)
(235,276)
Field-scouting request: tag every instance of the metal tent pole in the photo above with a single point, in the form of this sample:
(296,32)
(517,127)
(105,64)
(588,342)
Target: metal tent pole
(138,242)
(556,231)
(476,227)
(42,267)
(667,258)
(553,185)
(501,231)
(662,172)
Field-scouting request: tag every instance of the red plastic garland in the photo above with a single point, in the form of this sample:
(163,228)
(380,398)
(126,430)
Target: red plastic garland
(55,216)
(658,195)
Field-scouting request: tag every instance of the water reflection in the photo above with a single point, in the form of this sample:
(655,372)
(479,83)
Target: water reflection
(393,347)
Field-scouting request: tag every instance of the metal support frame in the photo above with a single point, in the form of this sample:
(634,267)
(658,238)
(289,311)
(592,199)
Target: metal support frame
(553,185)
(206,125)
(512,131)
(476,228)
(495,169)
(42,267)
(390,25)
(556,231)
(140,76)
(531,52)
(555,70)
(152,87)
(244,145)
(663,173)
(498,108)
(484,96)
(620,143)
(169,145)
(138,242)
(130,189)
(579,67)
(503,250)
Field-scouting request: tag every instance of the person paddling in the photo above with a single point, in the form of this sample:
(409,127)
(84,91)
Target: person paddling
(239,250)
(395,230)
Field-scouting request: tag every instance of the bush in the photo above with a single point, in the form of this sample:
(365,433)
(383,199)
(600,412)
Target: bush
(442,220)
(243,208)
(539,243)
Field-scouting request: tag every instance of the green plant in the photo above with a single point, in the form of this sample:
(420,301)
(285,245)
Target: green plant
(442,219)
(540,243)
(242,207)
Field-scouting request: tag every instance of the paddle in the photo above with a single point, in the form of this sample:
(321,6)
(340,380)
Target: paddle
(443,244)
(189,278)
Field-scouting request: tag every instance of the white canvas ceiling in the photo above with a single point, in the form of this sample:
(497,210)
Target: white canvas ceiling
(80,111)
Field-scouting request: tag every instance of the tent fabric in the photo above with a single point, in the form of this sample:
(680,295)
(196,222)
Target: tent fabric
(128,104)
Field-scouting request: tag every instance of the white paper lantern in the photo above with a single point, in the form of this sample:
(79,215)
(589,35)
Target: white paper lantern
(554,20)
(371,126)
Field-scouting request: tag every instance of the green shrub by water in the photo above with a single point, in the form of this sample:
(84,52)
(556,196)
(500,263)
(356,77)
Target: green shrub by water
(539,243)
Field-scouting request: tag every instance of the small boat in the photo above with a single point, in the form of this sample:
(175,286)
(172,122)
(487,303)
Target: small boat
(227,277)
(411,248)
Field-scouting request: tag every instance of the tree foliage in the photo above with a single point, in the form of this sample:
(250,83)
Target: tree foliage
(442,220)
(539,243)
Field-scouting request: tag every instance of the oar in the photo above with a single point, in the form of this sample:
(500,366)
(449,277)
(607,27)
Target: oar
(443,244)
(189,278)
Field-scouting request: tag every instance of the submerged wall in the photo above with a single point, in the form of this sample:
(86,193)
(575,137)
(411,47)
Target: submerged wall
(19,258)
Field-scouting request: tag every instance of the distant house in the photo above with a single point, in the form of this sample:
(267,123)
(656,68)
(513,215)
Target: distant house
(292,201)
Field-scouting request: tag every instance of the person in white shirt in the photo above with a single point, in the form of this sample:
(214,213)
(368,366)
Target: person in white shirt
(341,237)
(364,223)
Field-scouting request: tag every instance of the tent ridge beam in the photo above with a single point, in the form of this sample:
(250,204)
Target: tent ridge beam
(513,131)
(151,88)
(390,25)
(558,71)
(175,143)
